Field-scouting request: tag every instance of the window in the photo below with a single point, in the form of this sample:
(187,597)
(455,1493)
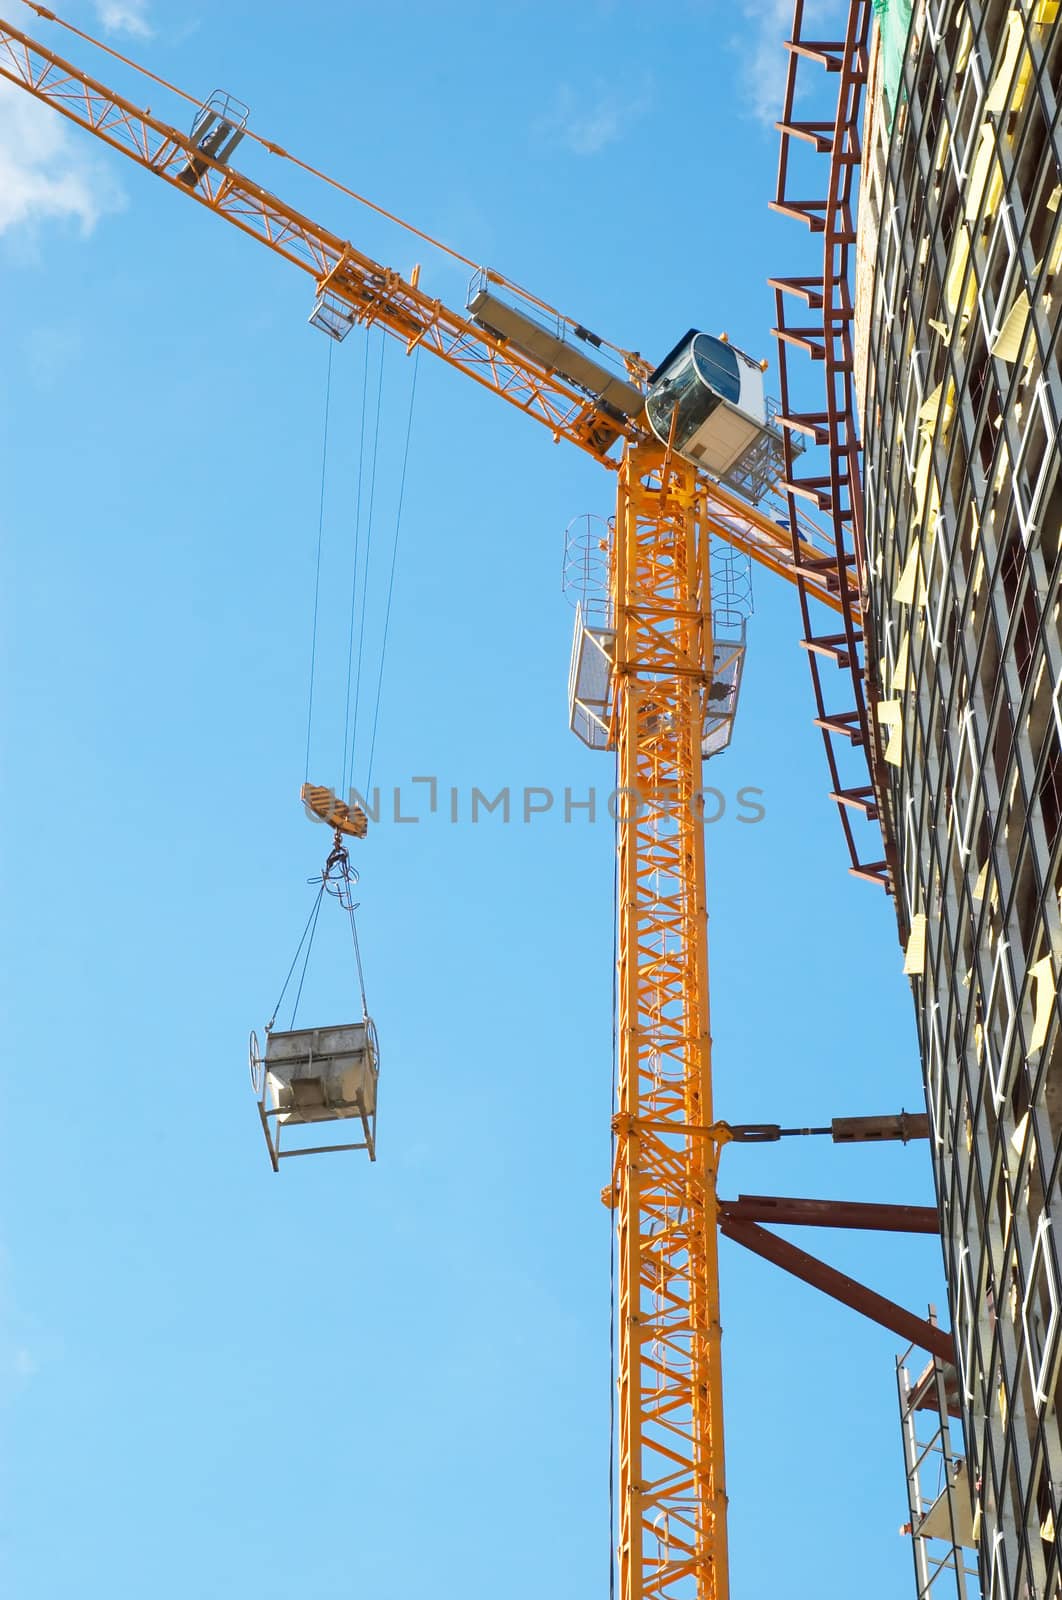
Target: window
(999,1026)
(966,784)
(935,1070)
(1039,1315)
(1050,791)
(1013,572)
(718,365)
(1034,458)
(965,1317)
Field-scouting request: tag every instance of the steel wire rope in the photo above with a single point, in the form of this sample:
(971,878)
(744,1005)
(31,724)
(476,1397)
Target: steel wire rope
(339,878)
(394,560)
(357,958)
(312,918)
(354,572)
(368,557)
(317,571)
(306,959)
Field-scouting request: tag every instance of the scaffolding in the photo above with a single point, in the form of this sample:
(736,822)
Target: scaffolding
(943,1522)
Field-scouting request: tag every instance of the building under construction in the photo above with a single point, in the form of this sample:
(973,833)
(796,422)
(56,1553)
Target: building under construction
(935,319)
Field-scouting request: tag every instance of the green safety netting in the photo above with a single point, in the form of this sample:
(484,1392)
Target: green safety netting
(894,20)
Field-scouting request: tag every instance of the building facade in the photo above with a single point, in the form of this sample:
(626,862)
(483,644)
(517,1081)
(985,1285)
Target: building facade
(958,306)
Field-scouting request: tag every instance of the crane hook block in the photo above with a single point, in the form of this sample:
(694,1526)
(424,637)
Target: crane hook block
(322,806)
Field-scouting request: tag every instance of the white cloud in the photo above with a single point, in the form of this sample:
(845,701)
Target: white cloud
(24,1363)
(764,59)
(24,1350)
(585,123)
(124,16)
(45,175)
(50,353)
(593,129)
(761,47)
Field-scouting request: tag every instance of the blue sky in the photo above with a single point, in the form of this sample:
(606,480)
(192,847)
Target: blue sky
(352,1380)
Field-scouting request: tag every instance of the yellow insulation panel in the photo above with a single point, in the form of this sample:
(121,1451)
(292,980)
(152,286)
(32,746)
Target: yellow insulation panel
(901,677)
(904,593)
(914,960)
(1002,78)
(985,183)
(1008,340)
(1044,1004)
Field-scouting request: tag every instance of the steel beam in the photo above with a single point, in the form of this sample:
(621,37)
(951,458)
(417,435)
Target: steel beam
(782,1209)
(916,1330)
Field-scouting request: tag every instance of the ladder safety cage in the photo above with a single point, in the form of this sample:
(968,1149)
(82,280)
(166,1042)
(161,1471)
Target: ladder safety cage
(219,125)
(331,315)
(732,606)
(944,1511)
(590,689)
(721,695)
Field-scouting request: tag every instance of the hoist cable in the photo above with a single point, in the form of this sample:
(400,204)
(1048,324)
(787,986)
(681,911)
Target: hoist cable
(344,893)
(317,572)
(357,959)
(394,559)
(368,557)
(309,947)
(339,879)
(346,771)
(298,951)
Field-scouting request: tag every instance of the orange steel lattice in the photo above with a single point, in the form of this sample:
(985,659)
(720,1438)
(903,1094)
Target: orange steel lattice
(364,292)
(672,1499)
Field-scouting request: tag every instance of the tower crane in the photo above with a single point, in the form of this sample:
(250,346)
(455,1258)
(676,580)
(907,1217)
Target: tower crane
(673,498)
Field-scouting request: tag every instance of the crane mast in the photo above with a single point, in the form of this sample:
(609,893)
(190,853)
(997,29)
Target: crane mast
(672,1541)
(672,1497)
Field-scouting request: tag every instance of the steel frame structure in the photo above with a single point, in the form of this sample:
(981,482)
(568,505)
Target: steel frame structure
(672,1497)
(823,331)
(928,1406)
